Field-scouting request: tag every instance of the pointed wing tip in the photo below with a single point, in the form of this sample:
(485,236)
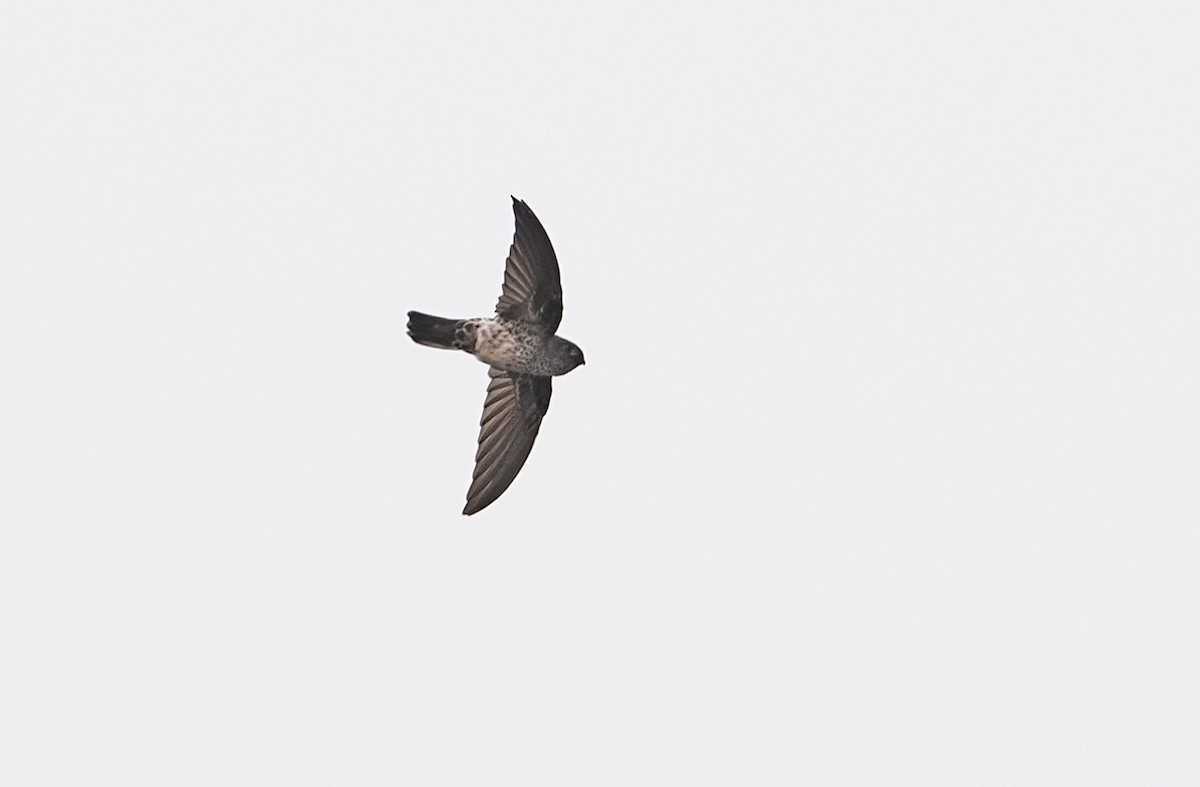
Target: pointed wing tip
(474,506)
(480,496)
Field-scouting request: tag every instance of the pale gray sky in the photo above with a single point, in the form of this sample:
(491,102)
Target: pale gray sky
(882,470)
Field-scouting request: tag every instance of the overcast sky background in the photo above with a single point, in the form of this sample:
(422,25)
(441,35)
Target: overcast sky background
(882,470)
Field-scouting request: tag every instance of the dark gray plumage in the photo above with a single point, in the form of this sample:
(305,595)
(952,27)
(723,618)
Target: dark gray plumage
(521,349)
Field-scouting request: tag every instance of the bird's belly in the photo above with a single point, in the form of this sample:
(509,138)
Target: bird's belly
(498,345)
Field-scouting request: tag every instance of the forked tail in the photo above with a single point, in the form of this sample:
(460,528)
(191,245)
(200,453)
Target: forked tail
(432,331)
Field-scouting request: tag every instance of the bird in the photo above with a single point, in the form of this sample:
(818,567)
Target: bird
(523,353)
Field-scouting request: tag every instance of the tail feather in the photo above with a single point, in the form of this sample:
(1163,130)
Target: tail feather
(432,331)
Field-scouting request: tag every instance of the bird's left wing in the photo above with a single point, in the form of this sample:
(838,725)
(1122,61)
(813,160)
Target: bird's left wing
(512,415)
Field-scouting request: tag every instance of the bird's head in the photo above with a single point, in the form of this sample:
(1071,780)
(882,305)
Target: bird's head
(567,354)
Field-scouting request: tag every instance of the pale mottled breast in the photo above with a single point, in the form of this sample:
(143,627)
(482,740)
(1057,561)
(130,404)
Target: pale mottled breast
(507,344)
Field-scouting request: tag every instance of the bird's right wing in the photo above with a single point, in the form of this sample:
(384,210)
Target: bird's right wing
(512,415)
(532,290)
